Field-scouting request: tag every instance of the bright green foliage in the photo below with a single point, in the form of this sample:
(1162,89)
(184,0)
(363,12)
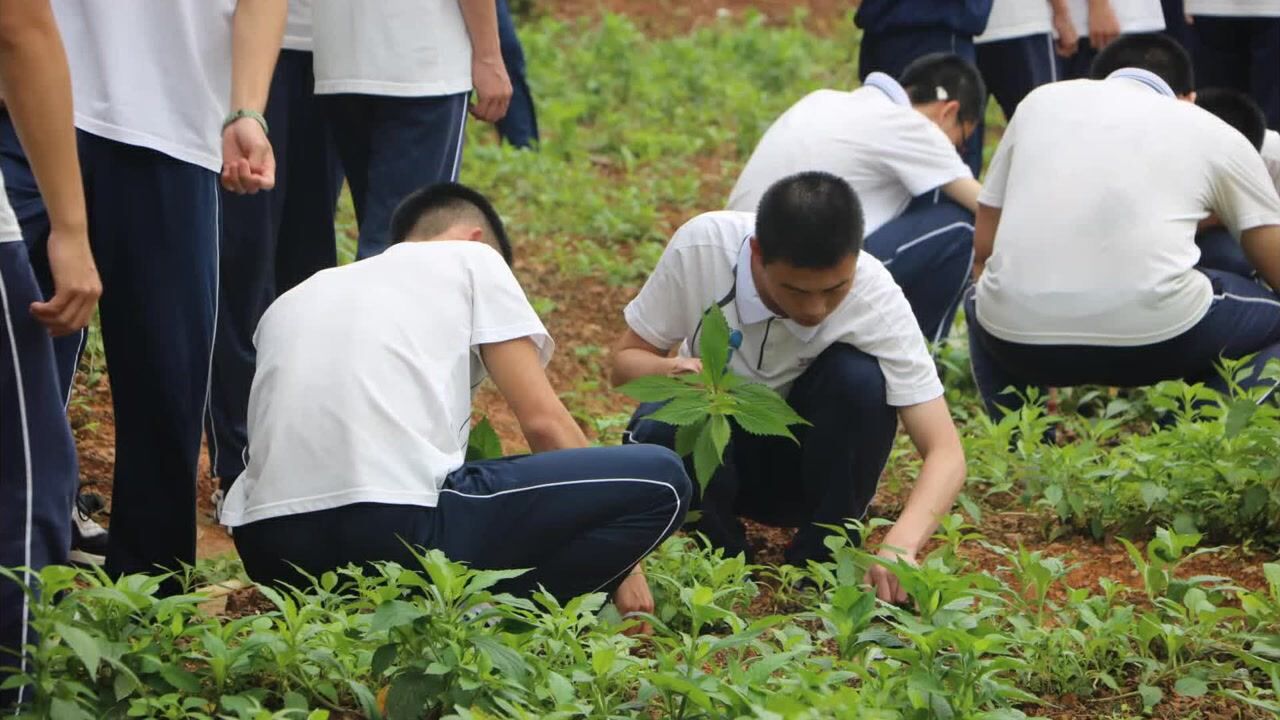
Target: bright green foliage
(483,443)
(702,404)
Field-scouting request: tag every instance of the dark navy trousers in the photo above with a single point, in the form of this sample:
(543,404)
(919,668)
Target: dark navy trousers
(391,146)
(271,241)
(829,477)
(929,251)
(579,519)
(1014,67)
(1241,53)
(520,125)
(891,52)
(1244,319)
(38,470)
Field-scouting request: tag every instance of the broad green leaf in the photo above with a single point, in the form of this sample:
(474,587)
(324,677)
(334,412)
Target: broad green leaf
(1239,414)
(761,411)
(1152,494)
(506,661)
(718,427)
(409,695)
(181,680)
(1151,696)
(1191,687)
(706,457)
(681,411)
(60,709)
(1255,500)
(659,388)
(383,658)
(393,614)
(713,346)
(84,646)
(483,443)
(687,437)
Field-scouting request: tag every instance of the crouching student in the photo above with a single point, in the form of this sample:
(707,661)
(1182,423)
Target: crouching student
(361,407)
(1089,247)
(1218,247)
(826,326)
(895,142)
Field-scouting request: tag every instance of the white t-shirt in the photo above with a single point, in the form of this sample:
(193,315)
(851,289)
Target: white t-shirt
(152,74)
(872,137)
(709,257)
(401,48)
(1016,18)
(1134,16)
(364,379)
(1233,8)
(10,230)
(1096,241)
(1271,155)
(297,28)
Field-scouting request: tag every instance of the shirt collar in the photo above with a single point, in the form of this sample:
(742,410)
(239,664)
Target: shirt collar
(1146,77)
(751,307)
(888,86)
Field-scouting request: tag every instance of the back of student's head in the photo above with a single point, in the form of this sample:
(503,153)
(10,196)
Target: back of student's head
(1154,53)
(944,76)
(431,211)
(810,220)
(1236,109)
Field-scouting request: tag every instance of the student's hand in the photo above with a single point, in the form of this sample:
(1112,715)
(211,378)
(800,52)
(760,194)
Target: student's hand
(1065,28)
(884,582)
(248,162)
(684,366)
(1103,25)
(492,88)
(633,596)
(76,286)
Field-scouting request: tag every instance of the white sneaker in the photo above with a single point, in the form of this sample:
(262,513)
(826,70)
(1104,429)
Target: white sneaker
(88,538)
(219,498)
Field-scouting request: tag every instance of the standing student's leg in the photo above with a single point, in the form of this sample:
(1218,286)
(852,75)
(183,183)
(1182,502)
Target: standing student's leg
(520,125)
(306,240)
(415,142)
(1175,24)
(350,121)
(38,472)
(580,518)
(1222,53)
(1264,66)
(929,251)
(153,221)
(1013,68)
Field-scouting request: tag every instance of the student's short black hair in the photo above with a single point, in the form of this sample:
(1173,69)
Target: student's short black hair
(1154,53)
(957,78)
(1236,109)
(810,220)
(434,209)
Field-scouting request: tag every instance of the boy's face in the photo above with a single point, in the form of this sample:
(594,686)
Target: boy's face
(805,295)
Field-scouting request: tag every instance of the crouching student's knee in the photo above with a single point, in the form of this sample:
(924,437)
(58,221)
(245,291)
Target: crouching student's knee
(844,377)
(665,468)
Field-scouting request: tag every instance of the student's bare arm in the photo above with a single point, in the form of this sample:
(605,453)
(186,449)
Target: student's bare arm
(488,71)
(965,192)
(37,83)
(1262,246)
(514,368)
(941,477)
(634,357)
(1103,25)
(257,29)
(984,237)
(1065,28)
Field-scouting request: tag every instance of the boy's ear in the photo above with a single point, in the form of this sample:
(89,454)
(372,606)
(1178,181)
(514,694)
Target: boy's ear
(951,110)
(476,234)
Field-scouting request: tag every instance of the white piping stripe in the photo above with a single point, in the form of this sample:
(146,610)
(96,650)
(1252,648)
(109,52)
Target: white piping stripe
(929,235)
(462,133)
(26,456)
(207,412)
(71,381)
(1053,61)
(1241,298)
(643,555)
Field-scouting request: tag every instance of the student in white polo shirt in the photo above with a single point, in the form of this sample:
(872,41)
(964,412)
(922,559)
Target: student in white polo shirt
(361,408)
(1017,52)
(394,76)
(1099,22)
(271,241)
(168,96)
(1218,248)
(825,325)
(1237,45)
(1086,253)
(895,142)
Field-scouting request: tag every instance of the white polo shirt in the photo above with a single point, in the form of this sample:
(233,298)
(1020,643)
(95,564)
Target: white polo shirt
(399,48)
(1017,18)
(1096,241)
(709,261)
(1233,8)
(364,379)
(872,137)
(1134,16)
(1271,155)
(297,28)
(152,74)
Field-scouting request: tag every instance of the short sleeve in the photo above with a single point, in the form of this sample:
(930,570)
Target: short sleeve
(668,308)
(1243,193)
(921,157)
(499,309)
(997,177)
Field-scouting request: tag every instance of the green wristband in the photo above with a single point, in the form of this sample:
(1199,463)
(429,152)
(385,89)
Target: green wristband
(246,113)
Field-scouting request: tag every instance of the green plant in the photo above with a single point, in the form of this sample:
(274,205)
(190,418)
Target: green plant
(702,404)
